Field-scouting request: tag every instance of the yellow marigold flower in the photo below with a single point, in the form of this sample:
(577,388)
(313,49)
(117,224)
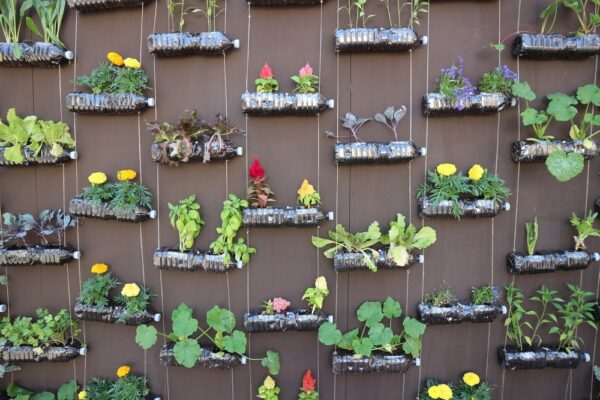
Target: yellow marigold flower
(446,169)
(123,371)
(82,395)
(445,392)
(434,392)
(115,58)
(269,383)
(471,379)
(132,63)
(476,172)
(130,290)
(321,283)
(126,175)
(306,189)
(97,178)
(99,269)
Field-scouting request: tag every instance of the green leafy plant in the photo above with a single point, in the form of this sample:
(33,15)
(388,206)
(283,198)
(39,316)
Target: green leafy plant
(6,368)
(47,330)
(187,332)
(531,235)
(268,390)
(596,371)
(11,19)
(587,12)
(116,76)
(375,336)
(49,226)
(50,13)
(357,17)
(67,391)
(561,317)
(99,389)
(134,300)
(585,229)
(95,291)
(306,81)
(130,387)
(485,294)
(391,118)
(499,80)
(186,218)
(539,121)
(472,388)
(126,194)
(35,133)
(441,297)
(360,242)
(402,239)
(315,296)
(231,222)
(265,83)
(417,7)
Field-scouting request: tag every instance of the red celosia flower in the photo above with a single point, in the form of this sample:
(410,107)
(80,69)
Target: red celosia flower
(306,70)
(308,382)
(266,72)
(280,304)
(256,171)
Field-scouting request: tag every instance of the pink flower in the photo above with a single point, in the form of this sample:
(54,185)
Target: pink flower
(306,70)
(266,72)
(280,304)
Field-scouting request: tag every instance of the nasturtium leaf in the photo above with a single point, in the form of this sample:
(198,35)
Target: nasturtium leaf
(561,106)
(68,391)
(589,94)
(412,347)
(220,319)
(329,334)
(187,352)
(413,327)
(362,347)
(380,334)
(533,117)
(370,313)
(522,90)
(145,336)
(43,396)
(235,343)
(347,338)
(271,361)
(184,325)
(564,166)
(183,310)
(391,308)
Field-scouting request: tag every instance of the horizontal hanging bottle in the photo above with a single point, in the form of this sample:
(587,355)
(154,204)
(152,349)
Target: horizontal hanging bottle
(37,54)
(101,5)
(38,255)
(192,260)
(292,320)
(107,103)
(202,149)
(111,315)
(563,260)
(190,44)
(42,353)
(459,312)
(377,152)
(284,216)
(43,158)
(272,104)
(88,208)
(353,40)
(530,151)
(468,208)
(343,262)
(207,359)
(344,362)
(555,46)
(512,358)
(437,104)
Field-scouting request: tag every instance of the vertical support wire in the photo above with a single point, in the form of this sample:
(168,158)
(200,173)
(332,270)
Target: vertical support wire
(337,172)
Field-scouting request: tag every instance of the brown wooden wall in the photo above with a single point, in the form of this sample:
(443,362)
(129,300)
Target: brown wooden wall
(467,253)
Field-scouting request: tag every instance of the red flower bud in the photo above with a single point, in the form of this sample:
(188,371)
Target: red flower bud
(306,70)
(266,72)
(308,382)
(256,171)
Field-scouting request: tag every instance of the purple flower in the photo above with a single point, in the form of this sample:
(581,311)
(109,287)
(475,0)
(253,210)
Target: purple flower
(506,73)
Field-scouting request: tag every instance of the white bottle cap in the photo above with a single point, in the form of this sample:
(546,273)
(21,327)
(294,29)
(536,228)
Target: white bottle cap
(152,214)
(586,357)
(421,258)
(83,351)
(69,55)
(151,102)
(236,44)
(417,362)
(331,103)
(506,206)
(330,319)
(423,151)
(330,215)
(73,155)
(156,317)
(239,151)
(513,102)
(424,40)
(243,360)
(3,308)
(595,257)
(504,310)
(77,255)
(239,264)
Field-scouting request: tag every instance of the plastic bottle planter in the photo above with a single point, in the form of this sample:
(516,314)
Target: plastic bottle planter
(436,104)
(43,158)
(217,150)
(190,44)
(358,40)
(563,260)
(272,104)
(271,217)
(111,314)
(107,103)
(377,152)
(528,151)
(283,3)
(3,308)
(597,205)
(87,208)
(457,313)
(512,358)
(344,362)
(38,54)
(48,353)
(37,255)
(555,46)
(293,320)
(596,310)
(343,262)
(208,358)
(192,260)
(468,208)
(100,5)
